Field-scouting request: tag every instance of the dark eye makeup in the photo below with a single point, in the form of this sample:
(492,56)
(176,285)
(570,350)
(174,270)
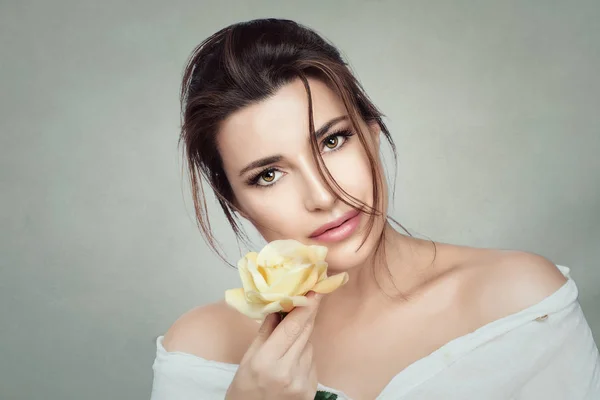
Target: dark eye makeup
(344,133)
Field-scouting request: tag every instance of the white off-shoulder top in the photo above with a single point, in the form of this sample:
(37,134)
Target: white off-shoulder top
(544,352)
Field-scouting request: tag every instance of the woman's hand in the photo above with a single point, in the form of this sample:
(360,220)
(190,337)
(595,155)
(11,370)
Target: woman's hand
(279,363)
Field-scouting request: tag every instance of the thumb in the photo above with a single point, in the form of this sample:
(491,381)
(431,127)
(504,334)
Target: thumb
(314,298)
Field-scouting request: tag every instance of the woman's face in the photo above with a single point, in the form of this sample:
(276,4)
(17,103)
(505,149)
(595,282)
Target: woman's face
(268,161)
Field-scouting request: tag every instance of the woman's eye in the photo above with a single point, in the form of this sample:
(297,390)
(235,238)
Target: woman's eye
(268,177)
(334,142)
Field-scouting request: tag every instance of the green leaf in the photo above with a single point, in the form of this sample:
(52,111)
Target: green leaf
(321,395)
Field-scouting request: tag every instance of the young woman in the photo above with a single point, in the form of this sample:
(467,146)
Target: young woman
(276,123)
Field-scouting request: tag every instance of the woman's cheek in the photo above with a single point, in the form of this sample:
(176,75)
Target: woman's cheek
(275,216)
(352,173)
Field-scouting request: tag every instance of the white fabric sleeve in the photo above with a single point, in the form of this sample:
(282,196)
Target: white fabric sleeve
(568,364)
(545,351)
(181,376)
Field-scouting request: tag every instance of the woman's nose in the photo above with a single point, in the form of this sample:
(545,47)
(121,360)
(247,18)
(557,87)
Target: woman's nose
(318,196)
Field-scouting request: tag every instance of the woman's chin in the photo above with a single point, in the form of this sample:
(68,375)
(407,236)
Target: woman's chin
(352,252)
(347,258)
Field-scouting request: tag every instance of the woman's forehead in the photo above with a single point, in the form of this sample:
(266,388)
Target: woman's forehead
(278,124)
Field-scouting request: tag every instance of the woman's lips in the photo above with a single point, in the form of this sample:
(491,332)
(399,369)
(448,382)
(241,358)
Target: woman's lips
(338,230)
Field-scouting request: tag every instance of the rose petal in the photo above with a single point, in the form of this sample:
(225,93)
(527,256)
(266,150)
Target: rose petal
(289,303)
(308,284)
(265,298)
(269,256)
(257,277)
(275,252)
(299,301)
(271,308)
(273,275)
(252,256)
(289,282)
(332,283)
(322,268)
(245,275)
(317,253)
(237,299)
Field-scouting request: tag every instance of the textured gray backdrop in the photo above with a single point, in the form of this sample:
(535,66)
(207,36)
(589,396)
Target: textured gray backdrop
(493,104)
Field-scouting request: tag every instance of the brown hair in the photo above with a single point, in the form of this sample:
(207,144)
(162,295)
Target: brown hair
(245,63)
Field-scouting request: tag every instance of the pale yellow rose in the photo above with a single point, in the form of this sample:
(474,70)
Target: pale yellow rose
(278,278)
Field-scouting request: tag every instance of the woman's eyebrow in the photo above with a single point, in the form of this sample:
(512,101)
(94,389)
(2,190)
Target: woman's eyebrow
(260,163)
(322,131)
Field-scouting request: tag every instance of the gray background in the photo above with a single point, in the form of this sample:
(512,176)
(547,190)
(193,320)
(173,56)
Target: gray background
(494,107)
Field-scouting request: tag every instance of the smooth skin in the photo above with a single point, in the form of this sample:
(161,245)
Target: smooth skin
(279,362)
(359,339)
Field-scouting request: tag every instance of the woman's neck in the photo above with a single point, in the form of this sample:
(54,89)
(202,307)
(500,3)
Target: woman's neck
(396,270)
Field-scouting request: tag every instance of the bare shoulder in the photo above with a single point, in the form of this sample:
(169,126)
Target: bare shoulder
(502,282)
(214,331)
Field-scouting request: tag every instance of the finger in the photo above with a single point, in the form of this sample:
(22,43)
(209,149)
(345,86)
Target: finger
(313,378)
(291,328)
(302,371)
(298,348)
(302,362)
(266,329)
